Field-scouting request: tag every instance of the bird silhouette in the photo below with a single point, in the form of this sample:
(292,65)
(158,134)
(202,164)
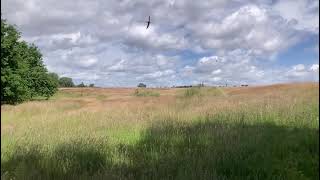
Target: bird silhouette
(148,23)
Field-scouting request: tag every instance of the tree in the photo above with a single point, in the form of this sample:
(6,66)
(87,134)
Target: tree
(23,74)
(66,82)
(42,83)
(81,85)
(91,85)
(54,76)
(142,85)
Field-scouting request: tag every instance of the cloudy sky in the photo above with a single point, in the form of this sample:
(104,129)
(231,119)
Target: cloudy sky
(106,42)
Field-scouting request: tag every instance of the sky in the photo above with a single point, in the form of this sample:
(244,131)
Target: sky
(215,42)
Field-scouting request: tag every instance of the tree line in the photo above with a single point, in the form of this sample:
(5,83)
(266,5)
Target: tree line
(23,73)
(67,82)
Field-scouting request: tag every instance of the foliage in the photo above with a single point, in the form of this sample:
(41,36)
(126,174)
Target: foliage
(23,74)
(142,85)
(54,76)
(81,85)
(66,82)
(91,85)
(145,92)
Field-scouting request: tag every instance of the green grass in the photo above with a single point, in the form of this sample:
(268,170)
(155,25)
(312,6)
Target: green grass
(141,92)
(212,150)
(60,95)
(200,91)
(221,147)
(101,97)
(266,138)
(190,92)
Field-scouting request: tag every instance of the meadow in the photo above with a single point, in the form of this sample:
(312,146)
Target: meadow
(263,132)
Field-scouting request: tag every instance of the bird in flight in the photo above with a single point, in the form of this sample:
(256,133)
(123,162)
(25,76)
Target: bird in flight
(148,23)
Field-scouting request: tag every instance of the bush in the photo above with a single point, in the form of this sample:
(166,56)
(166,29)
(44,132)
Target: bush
(142,85)
(144,93)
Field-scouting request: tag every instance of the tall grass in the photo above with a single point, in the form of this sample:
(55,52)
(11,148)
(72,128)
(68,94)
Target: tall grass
(201,91)
(189,92)
(145,92)
(269,135)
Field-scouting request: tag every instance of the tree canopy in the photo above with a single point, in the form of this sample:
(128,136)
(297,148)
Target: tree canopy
(81,85)
(23,74)
(66,82)
(142,85)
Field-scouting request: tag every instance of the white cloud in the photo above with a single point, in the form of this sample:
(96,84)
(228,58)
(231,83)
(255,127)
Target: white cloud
(159,74)
(138,36)
(218,71)
(108,43)
(298,67)
(250,27)
(87,62)
(314,67)
(300,73)
(215,79)
(118,67)
(304,12)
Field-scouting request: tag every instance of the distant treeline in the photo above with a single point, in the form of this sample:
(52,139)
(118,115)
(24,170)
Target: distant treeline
(198,85)
(202,85)
(68,82)
(184,86)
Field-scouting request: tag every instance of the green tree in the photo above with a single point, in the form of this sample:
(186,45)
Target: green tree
(23,74)
(66,82)
(142,85)
(42,83)
(81,85)
(54,76)
(91,85)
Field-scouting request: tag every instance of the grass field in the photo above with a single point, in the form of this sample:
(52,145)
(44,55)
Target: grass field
(267,132)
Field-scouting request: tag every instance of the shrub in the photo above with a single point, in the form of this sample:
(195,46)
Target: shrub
(142,85)
(144,93)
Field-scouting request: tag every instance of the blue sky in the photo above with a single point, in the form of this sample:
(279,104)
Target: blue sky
(303,52)
(189,42)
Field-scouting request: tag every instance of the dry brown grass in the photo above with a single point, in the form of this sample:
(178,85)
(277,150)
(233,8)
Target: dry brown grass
(119,117)
(120,103)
